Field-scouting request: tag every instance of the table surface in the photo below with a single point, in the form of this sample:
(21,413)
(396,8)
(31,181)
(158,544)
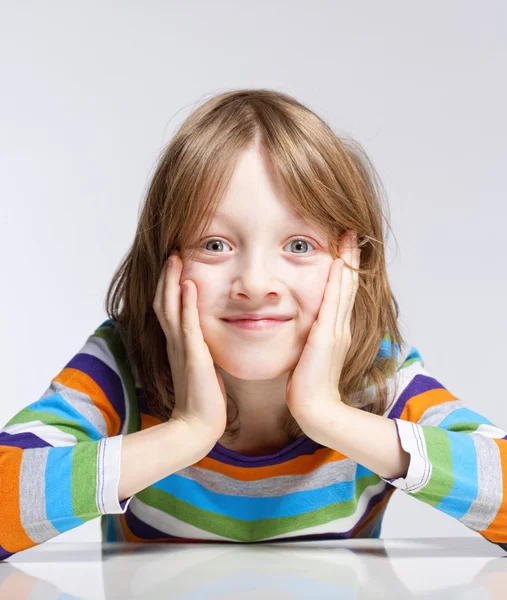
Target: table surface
(451,567)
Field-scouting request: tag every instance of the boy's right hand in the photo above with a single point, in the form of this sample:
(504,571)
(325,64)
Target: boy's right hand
(200,396)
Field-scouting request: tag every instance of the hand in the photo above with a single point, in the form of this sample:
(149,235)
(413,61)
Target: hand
(312,386)
(200,396)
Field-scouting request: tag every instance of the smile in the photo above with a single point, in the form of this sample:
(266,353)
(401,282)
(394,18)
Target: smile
(251,325)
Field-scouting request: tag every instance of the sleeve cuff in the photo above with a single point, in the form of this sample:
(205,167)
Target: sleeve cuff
(108,476)
(419,470)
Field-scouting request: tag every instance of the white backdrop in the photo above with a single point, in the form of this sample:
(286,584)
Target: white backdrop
(92,91)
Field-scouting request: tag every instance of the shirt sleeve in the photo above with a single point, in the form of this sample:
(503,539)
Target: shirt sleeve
(458,458)
(60,456)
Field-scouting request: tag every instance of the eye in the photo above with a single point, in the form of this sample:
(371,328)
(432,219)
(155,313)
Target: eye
(298,240)
(216,241)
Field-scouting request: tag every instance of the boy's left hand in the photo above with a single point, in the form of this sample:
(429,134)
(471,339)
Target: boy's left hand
(312,386)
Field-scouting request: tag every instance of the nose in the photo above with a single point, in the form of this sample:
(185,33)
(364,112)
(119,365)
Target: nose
(257,281)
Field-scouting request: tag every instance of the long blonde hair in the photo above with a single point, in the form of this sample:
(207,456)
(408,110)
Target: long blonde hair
(330,182)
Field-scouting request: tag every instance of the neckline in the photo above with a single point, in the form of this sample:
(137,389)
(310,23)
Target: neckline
(233,454)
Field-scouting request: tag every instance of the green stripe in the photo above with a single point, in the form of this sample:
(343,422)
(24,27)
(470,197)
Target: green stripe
(464,426)
(410,361)
(84,481)
(252,531)
(69,426)
(439,455)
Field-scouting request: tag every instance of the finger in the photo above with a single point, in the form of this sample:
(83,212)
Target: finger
(346,292)
(344,296)
(193,338)
(173,296)
(329,307)
(158,301)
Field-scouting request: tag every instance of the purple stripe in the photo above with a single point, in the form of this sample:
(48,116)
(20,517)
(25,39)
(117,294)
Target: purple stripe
(4,554)
(418,385)
(25,439)
(105,377)
(146,532)
(303,445)
(143,530)
(374,500)
(141,402)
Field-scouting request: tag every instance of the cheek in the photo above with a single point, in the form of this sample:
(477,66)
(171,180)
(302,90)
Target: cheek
(208,296)
(308,291)
(311,304)
(203,283)
(313,293)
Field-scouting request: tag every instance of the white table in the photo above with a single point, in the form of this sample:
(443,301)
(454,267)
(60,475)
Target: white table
(453,567)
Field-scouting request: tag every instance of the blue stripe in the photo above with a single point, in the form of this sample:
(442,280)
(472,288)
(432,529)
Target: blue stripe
(252,509)
(385,350)
(414,353)
(464,468)
(59,489)
(57,405)
(463,415)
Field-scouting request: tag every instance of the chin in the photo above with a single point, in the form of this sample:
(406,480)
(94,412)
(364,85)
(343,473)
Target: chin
(253,362)
(250,366)
(249,372)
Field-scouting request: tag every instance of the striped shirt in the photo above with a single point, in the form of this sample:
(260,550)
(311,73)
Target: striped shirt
(60,466)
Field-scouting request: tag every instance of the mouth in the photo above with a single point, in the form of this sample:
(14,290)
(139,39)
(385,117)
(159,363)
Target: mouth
(256,325)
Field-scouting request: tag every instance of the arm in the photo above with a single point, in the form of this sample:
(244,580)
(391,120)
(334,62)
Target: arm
(457,459)
(151,454)
(371,440)
(60,456)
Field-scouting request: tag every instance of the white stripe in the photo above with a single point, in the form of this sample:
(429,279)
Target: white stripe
(50,434)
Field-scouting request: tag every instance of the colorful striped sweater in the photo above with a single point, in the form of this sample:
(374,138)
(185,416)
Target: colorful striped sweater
(60,466)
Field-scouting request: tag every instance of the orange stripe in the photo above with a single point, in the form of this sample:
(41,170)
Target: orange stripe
(80,381)
(416,405)
(301,465)
(148,421)
(129,536)
(298,466)
(12,533)
(414,409)
(497,529)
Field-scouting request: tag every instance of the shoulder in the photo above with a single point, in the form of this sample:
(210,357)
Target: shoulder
(409,377)
(109,343)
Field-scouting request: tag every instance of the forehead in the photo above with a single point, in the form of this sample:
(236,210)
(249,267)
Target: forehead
(230,218)
(291,220)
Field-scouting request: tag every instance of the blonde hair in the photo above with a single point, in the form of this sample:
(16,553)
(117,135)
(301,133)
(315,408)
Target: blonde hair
(330,182)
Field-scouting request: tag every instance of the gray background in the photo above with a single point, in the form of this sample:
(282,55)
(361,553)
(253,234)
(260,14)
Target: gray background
(92,91)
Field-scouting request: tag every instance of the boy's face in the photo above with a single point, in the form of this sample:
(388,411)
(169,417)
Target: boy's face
(265,260)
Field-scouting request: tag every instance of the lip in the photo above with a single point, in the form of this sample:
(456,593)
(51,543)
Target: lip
(257,324)
(257,317)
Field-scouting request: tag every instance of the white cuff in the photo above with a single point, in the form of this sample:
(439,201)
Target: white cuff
(108,476)
(419,470)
